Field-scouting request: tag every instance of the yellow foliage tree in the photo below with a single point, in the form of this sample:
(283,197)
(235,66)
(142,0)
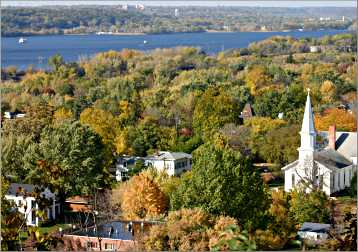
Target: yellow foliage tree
(141,198)
(102,122)
(257,78)
(121,143)
(262,125)
(281,228)
(328,91)
(34,82)
(62,115)
(344,120)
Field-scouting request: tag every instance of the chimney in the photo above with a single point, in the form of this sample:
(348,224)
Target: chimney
(332,137)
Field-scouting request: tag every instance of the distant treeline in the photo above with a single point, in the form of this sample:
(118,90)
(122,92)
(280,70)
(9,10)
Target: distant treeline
(18,21)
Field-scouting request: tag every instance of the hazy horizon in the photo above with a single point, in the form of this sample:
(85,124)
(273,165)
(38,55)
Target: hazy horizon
(278,3)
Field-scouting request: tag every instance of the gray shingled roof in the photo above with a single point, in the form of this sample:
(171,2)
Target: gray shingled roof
(20,189)
(331,159)
(169,155)
(314,227)
(346,142)
(114,230)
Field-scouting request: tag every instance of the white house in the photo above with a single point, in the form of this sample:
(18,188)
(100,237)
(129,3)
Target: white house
(23,196)
(174,163)
(123,165)
(315,232)
(331,168)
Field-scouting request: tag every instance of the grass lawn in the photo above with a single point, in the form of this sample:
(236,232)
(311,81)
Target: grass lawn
(46,229)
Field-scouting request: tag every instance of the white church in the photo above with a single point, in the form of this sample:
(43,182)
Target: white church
(330,168)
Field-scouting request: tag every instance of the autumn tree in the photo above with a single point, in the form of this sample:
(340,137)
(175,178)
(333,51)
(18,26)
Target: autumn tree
(37,117)
(141,198)
(196,230)
(259,128)
(281,226)
(213,110)
(346,240)
(257,78)
(344,120)
(62,115)
(328,91)
(101,122)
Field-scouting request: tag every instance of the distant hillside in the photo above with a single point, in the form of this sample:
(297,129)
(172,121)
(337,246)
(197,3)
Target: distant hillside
(91,19)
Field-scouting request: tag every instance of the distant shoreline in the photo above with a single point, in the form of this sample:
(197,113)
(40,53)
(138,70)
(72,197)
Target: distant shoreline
(159,33)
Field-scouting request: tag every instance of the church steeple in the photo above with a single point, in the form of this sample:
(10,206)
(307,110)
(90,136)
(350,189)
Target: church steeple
(308,133)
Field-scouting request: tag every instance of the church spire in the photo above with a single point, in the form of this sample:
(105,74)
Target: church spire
(308,132)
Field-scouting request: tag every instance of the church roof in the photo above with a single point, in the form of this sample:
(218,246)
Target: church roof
(329,158)
(293,164)
(346,142)
(332,159)
(308,122)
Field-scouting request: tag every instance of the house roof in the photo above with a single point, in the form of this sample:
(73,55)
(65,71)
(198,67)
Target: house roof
(314,227)
(20,189)
(247,111)
(117,230)
(161,155)
(346,142)
(28,190)
(114,230)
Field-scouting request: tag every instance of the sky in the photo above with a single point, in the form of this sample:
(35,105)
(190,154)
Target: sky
(277,3)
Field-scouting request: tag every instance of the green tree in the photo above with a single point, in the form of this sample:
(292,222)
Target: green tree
(56,61)
(11,221)
(353,188)
(13,151)
(280,145)
(310,207)
(223,182)
(68,160)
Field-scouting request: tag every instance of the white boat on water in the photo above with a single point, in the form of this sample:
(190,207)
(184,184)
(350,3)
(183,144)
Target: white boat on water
(145,42)
(22,40)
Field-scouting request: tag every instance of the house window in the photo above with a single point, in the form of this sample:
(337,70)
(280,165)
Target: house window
(108,246)
(91,244)
(293,179)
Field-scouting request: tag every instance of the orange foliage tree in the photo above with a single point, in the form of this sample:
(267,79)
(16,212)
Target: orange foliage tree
(141,198)
(344,120)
